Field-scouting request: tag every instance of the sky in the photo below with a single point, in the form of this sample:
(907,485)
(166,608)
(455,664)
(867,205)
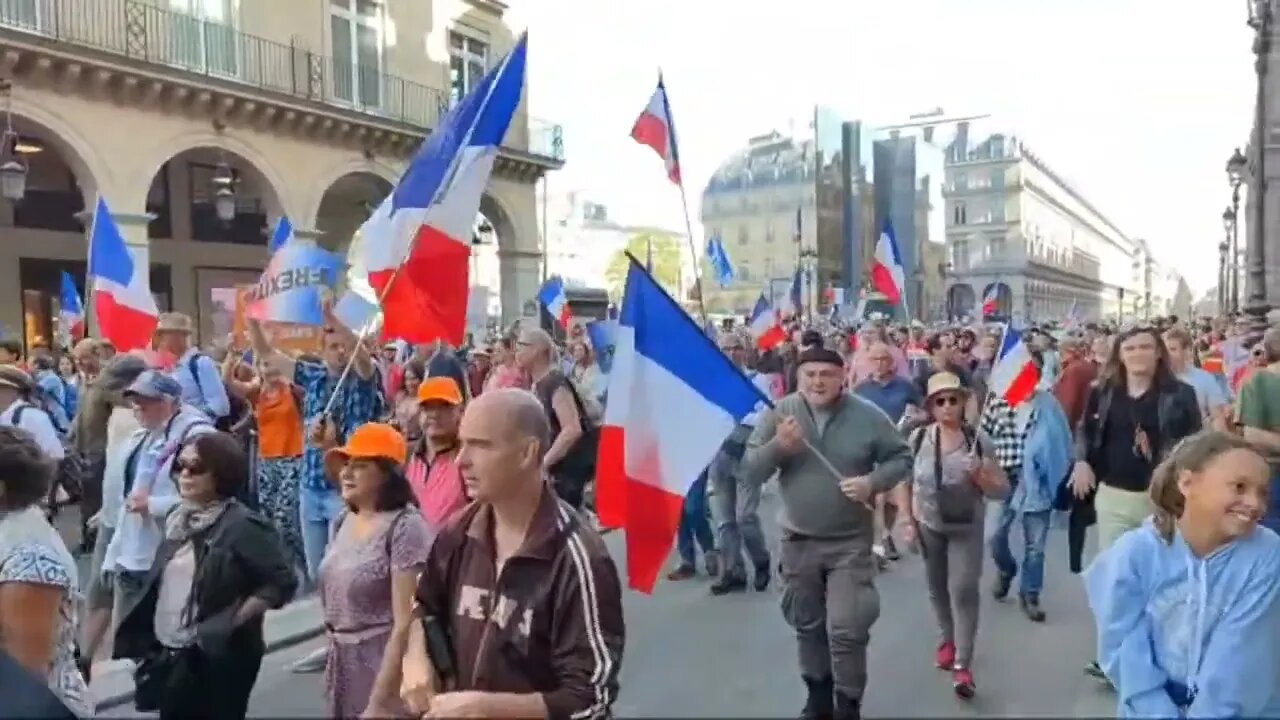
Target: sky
(1138,103)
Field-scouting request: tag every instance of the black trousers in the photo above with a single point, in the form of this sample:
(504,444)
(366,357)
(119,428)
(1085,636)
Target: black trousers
(199,689)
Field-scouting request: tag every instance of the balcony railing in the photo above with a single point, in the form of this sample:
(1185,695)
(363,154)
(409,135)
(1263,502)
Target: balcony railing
(145,33)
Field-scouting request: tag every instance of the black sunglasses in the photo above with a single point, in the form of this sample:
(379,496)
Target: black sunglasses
(946,400)
(191,467)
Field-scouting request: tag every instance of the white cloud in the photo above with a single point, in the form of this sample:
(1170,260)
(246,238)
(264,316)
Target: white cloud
(1139,102)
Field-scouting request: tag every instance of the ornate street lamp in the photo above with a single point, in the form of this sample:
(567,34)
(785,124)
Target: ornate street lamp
(13,171)
(1235,168)
(224,193)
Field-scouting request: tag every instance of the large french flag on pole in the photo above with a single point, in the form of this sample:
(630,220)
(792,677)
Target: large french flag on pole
(1015,375)
(121,282)
(887,273)
(656,129)
(650,457)
(553,298)
(71,309)
(417,244)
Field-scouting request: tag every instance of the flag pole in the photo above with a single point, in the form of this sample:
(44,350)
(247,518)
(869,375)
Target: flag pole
(693,253)
(445,181)
(90,307)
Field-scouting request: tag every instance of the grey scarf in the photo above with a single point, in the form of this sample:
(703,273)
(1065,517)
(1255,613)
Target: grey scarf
(189,519)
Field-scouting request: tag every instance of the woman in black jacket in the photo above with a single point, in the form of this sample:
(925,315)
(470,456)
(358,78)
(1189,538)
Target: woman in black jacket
(197,630)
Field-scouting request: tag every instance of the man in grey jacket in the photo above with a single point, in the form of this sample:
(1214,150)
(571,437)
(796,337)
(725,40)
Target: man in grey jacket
(829,596)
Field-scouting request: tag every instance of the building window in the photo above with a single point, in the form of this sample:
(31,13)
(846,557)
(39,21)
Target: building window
(744,273)
(768,233)
(742,235)
(960,255)
(203,37)
(959,214)
(960,182)
(356,33)
(468,58)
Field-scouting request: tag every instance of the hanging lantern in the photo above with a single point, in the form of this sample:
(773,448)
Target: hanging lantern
(224,204)
(13,180)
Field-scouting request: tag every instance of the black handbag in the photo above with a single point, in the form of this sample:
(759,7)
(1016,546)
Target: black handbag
(151,679)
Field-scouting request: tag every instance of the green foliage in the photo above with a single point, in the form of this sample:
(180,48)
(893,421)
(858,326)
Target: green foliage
(666,261)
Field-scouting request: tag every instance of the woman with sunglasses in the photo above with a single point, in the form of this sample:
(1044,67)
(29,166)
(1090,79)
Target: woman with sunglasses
(954,470)
(196,629)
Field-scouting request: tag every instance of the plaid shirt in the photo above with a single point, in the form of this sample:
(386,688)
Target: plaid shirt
(1000,423)
(359,401)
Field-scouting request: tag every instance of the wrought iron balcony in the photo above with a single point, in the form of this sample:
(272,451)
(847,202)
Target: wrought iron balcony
(141,32)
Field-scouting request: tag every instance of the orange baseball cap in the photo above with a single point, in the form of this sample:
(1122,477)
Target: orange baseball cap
(439,389)
(370,441)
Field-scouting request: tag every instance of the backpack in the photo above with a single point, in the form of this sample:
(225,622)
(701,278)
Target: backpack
(957,503)
(43,400)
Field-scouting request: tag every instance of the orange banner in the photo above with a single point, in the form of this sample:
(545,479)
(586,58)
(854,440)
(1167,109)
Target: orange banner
(286,337)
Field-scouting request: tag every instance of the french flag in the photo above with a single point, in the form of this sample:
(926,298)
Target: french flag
(764,326)
(991,301)
(887,274)
(555,301)
(71,309)
(650,457)
(120,278)
(656,129)
(793,303)
(417,245)
(1015,375)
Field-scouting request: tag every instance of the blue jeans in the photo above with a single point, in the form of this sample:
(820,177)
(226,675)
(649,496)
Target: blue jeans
(318,509)
(694,524)
(1035,530)
(1272,518)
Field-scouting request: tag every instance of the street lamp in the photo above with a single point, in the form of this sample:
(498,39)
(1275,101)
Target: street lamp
(1231,276)
(13,172)
(1235,168)
(1223,248)
(224,194)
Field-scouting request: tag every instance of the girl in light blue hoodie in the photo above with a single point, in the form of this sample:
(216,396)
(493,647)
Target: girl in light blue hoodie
(1188,605)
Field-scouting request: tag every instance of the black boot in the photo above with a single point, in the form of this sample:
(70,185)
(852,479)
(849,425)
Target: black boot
(848,708)
(1031,607)
(819,705)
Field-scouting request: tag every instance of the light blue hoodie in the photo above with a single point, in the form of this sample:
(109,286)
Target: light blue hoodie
(1181,635)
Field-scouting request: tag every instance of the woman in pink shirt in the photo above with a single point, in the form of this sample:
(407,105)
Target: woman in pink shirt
(505,373)
(432,469)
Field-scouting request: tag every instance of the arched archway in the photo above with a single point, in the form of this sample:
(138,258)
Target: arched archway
(183,197)
(44,229)
(492,239)
(1003,297)
(375,174)
(345,204)
(960,300)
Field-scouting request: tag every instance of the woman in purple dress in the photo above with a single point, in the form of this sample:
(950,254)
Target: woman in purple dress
(369,572)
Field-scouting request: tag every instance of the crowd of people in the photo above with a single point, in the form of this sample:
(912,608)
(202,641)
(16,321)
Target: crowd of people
(437,502)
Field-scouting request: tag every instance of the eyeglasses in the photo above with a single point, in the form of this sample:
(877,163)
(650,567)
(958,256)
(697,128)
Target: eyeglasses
(190,467)
(945,400)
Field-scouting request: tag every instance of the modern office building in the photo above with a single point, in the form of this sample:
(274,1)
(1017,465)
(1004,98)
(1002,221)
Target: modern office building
(201,122)
(1016,226)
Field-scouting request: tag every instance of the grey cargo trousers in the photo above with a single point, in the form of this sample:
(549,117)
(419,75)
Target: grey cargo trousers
(829,597)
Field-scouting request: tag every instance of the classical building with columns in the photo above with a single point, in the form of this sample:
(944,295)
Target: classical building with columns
(201,122)
(1016,227)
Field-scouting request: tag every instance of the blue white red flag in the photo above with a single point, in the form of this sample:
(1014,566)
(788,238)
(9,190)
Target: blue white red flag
(887,273)
(417,245)
(656,129)
(649,456)
(121,280)
(70,309)
(292,286)
(991,300)
(553,298)
(765,327)
(1015,374)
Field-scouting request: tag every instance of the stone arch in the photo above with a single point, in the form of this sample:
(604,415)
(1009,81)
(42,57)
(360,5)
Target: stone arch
(314,197)
(93,173)
(960,300)
(495,211)
(254,162)
(344,205)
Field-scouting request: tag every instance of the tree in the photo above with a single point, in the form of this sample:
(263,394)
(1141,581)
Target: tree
(666,262)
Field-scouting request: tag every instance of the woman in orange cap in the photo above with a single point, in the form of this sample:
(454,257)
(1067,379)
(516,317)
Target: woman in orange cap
(369,571)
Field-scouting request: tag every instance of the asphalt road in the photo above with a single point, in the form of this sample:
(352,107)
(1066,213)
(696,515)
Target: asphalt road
(692,655)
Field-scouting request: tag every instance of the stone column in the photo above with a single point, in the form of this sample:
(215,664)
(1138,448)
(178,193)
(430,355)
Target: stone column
(520,273)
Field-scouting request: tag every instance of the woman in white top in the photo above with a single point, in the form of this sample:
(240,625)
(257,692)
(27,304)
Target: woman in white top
(39,591)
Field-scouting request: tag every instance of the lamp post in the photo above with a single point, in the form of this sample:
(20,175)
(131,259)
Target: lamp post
(13,171)
(1223,248)
(1260,18)
(224,194)
(1236,166)
(1230,296)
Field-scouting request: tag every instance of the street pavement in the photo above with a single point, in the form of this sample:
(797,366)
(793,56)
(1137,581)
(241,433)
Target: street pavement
(692,655)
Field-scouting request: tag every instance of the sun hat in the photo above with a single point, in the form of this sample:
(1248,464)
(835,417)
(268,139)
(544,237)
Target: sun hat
(371,441)
(945,382)
(174,322)
(439,389)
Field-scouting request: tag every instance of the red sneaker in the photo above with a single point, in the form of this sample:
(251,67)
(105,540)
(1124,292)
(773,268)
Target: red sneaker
(945,658)
(962,683)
